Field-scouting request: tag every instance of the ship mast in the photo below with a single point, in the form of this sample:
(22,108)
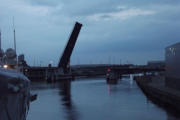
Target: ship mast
(15,40)
(0,39)
(14,36)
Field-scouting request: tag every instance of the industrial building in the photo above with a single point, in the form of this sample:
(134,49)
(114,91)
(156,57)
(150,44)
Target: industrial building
(172,60)
(156,64)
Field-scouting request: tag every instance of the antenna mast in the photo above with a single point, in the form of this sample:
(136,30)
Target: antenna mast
(15,41)
(14,36)
(0,39)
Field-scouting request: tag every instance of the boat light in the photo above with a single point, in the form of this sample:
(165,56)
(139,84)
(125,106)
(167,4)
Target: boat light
(108,70)
(5,66)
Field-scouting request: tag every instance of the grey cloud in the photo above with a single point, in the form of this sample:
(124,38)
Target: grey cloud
(105,16)
(137,39)
(85,8)
(50,3)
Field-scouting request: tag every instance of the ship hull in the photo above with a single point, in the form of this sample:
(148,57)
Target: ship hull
(14,95)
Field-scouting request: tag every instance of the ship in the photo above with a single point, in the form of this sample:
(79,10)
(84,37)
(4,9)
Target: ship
(15,96)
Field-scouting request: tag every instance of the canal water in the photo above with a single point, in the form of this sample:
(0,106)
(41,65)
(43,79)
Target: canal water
(93,99)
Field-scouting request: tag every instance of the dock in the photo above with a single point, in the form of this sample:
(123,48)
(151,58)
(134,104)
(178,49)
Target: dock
(154,88)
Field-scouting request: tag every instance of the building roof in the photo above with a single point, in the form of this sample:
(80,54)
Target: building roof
(173,45)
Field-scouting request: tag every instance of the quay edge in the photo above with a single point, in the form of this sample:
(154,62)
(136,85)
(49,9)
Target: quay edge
(158,93)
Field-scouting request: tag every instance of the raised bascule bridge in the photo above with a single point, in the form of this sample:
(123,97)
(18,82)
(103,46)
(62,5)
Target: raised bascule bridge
(64,71)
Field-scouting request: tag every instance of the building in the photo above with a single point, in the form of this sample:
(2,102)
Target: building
(156,64)
(172,61)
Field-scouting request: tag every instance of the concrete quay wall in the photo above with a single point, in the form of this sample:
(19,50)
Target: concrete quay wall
(155,91)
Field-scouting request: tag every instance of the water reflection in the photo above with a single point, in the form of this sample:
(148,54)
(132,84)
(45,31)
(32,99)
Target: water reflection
(112,88)
(172,117)
(65,93)
(171,113)
(93,99)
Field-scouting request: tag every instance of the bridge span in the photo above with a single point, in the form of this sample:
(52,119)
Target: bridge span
(41,73)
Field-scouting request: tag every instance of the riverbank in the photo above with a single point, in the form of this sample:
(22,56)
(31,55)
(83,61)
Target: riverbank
(155,89)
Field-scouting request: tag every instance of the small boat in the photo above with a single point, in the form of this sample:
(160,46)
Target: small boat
(111,77)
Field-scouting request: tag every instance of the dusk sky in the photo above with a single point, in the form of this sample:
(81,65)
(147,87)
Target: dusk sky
(114,31)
